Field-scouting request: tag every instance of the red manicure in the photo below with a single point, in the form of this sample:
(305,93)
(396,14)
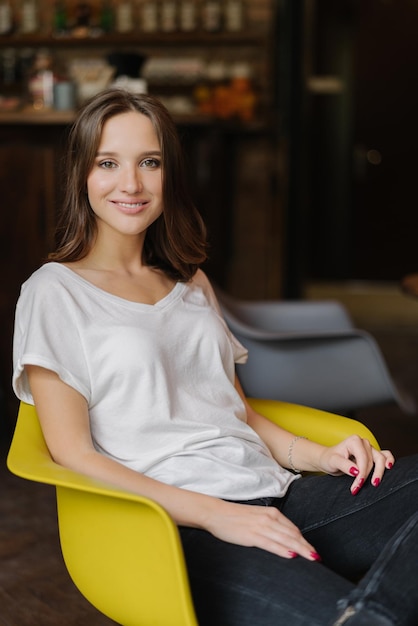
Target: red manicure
(316,556)
(359,486)
(376,482)
(292,554)
(390,465)
(353,471)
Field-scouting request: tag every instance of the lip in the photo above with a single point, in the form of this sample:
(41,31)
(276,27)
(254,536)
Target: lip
(130,207)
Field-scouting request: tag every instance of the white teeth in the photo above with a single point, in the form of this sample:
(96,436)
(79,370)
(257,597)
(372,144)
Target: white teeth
(130,205)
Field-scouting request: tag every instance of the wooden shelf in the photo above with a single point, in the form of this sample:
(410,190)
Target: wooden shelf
(29,117)
(198,38)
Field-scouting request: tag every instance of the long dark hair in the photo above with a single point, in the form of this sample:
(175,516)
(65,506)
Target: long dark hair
(176,241)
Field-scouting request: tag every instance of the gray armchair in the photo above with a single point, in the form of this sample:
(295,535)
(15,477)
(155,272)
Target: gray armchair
(310,353)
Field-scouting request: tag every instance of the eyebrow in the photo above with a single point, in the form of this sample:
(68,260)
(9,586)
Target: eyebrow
(143,154)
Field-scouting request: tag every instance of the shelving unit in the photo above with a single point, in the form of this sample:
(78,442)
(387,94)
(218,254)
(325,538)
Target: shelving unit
(246,45)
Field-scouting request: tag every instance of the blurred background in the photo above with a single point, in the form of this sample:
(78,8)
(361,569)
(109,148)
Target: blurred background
(299,121)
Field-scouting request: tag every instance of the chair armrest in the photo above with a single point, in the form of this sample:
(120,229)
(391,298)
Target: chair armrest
(29,458)
(321,426)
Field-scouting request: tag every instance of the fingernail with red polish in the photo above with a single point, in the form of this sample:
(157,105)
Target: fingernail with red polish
(353,471)
(316,556)
(376,482)
(358,487)
(292,554)
(390,465)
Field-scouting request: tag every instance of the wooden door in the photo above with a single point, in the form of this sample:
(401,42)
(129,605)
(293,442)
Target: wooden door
(385,214)
(361,140)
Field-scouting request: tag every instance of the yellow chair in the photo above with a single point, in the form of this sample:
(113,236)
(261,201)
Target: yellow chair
(123,551)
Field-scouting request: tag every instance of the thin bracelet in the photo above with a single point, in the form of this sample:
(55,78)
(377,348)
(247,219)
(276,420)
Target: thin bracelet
(289,454)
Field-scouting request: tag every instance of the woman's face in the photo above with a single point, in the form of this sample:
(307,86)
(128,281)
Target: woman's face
(124,186)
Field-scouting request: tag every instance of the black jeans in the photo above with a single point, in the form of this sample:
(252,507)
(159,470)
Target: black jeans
(375,531)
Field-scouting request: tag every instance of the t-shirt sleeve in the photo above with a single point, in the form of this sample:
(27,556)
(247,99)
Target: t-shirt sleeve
(239,351)
(47,334)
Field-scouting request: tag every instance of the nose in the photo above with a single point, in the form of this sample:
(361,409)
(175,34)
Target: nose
(130,180)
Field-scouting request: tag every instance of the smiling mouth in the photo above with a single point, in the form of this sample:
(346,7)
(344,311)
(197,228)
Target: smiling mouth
(130,205)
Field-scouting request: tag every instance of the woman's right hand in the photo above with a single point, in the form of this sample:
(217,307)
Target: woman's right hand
(262,527)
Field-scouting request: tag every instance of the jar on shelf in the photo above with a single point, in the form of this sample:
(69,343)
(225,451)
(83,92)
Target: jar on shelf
(64,94)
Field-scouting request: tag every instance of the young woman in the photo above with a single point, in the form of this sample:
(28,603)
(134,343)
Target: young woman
(120,343)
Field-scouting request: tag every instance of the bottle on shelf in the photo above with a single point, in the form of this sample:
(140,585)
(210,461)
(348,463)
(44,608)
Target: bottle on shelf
(124,17)
(59,20)
(212,16)
(106,16)
(202,95)
(25,65)
(243,93)
(149,16)
(8,69)
(221,93)
(83,18)
(29,22)
(168,16)
(6,17)
(41,81)
(188,18)
(234,15)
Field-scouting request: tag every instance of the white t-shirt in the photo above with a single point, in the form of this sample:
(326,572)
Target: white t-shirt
(158,380)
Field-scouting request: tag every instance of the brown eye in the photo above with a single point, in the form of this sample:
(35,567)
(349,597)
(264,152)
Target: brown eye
(151,163)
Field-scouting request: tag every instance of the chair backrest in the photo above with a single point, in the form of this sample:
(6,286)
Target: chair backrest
(321,426)
(309,353)
(286,316)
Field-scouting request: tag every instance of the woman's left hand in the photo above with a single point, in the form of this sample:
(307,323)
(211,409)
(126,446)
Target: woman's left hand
(356,457)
